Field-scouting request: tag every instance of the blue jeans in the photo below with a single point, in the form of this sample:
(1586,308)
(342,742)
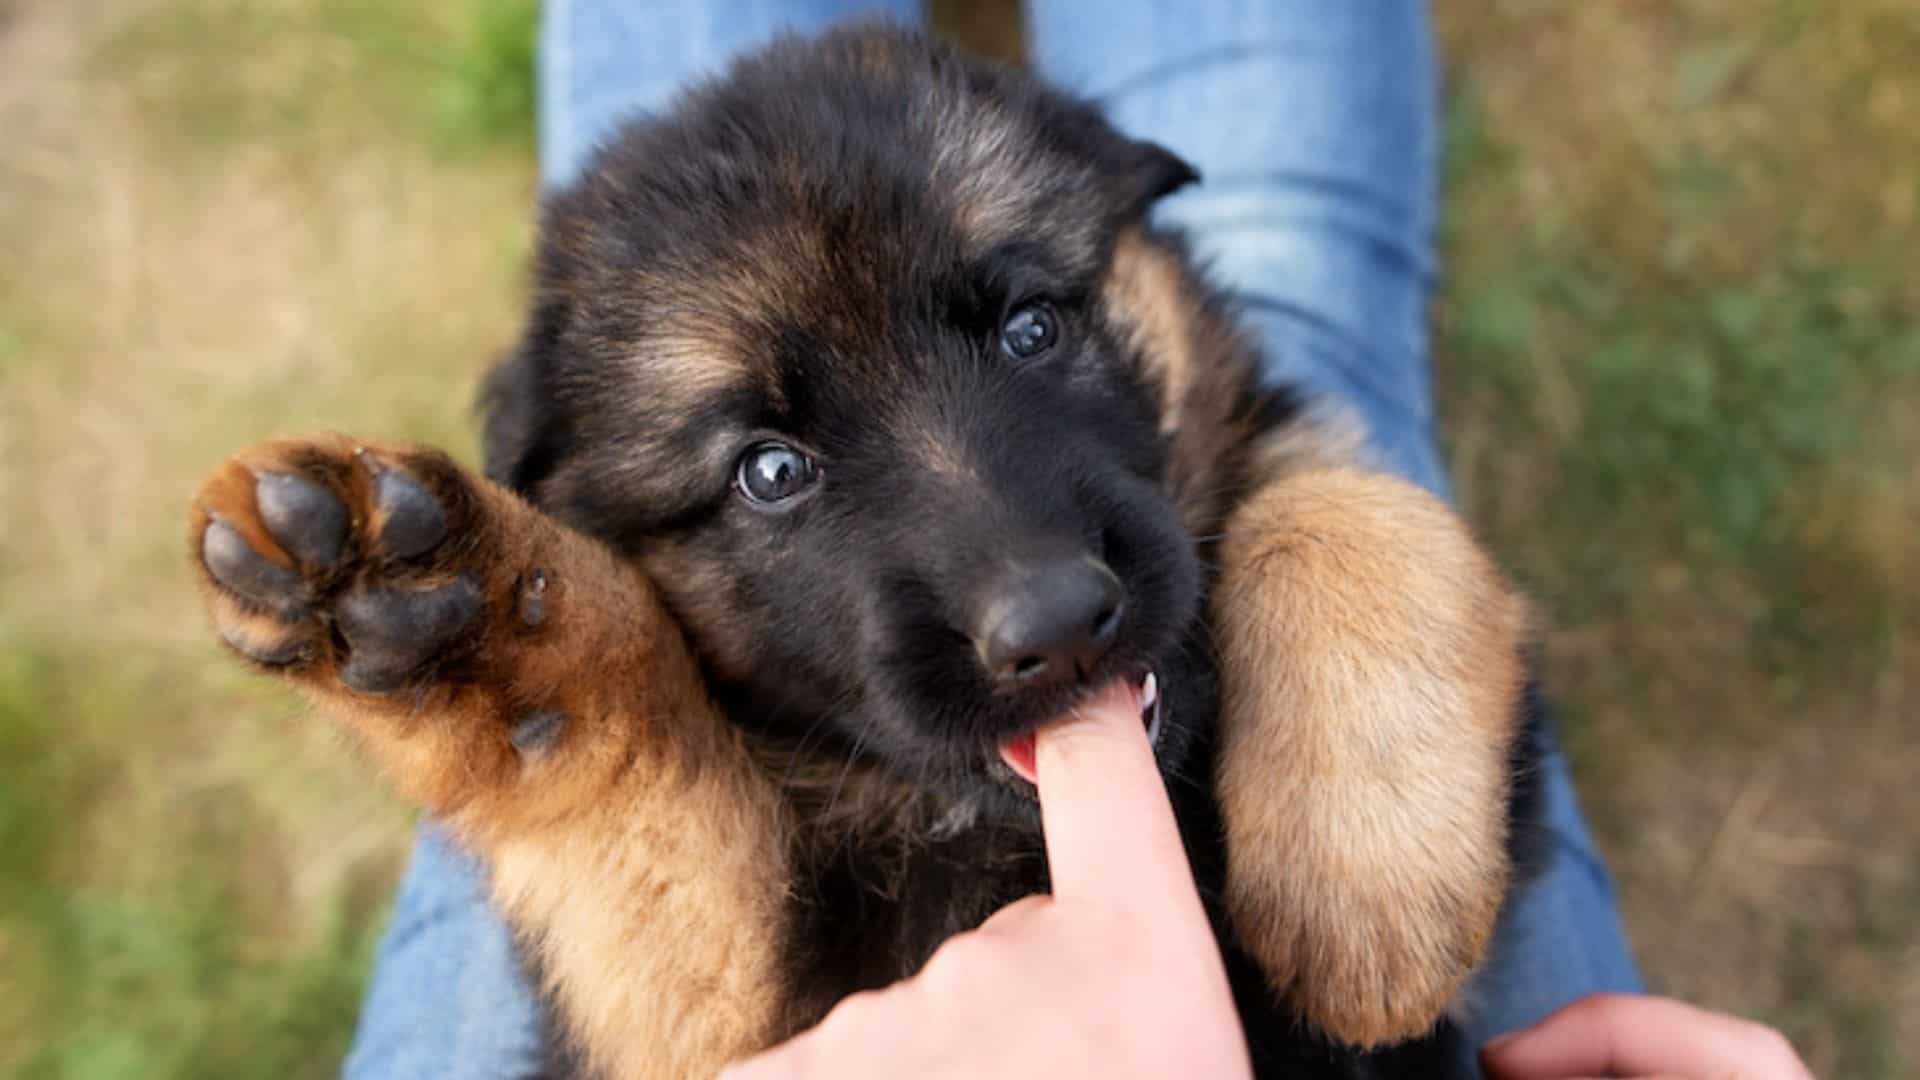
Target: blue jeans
(1314,124)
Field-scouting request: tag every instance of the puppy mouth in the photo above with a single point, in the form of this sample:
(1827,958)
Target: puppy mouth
(1019,754)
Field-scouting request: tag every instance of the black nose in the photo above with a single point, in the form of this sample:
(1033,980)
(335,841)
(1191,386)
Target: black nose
(1050,622)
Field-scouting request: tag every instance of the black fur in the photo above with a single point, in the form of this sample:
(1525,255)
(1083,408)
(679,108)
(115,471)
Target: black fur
(837,228)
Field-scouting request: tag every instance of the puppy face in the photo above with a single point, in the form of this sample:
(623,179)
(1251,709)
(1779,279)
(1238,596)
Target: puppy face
(830,348)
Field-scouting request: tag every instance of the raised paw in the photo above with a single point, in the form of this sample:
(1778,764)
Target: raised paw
(525,685)
(326,559)
(473,643)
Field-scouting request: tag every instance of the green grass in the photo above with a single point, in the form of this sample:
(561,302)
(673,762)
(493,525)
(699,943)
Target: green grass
(173,970)
(228,221)
(1678,365)
(1707,400)
(1680,375)
(13,340)
(486,93)
(456,76)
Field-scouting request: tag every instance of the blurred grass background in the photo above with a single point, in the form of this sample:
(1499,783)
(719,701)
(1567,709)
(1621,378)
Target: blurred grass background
(1679,359)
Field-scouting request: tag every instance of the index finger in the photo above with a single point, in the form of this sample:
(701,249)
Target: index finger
(1109,825)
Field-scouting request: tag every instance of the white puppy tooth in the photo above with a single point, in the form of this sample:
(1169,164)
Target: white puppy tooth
(1149,690)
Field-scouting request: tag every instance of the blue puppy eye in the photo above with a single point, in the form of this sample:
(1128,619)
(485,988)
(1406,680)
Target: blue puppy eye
(1029,331)
(772,472)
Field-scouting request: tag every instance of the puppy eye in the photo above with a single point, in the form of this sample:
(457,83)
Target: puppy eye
(772,472)
(1029,331)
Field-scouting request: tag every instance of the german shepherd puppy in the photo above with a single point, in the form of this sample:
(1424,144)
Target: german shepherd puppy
(862,423)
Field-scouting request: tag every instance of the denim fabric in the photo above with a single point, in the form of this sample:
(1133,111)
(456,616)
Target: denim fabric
(448,995)
(1314,124)
(602,61)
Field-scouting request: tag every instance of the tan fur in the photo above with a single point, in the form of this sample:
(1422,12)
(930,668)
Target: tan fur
(1370,677)
(697,589)
(979,163)
(982,165)
(1196,354)
(252,632)
(1319,440)
(642,857)
(938,455)
(1146,286)
(707,337)
(705,360)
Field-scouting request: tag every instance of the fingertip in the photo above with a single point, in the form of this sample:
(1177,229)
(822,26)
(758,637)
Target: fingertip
(1097,753)
(1105,721)
(1109,823)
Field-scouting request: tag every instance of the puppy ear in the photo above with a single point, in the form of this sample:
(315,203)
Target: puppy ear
(520,438)
(1148,171)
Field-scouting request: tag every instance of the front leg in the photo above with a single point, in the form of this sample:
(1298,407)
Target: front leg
(1371,677)
(520,681)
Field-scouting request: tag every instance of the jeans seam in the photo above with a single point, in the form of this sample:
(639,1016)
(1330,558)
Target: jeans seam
(1197,221)
(1187,65)
(1344,356)
(1407,248)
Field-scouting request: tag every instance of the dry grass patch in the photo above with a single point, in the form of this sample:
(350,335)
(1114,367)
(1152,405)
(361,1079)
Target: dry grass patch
(1681,374)
(173,292)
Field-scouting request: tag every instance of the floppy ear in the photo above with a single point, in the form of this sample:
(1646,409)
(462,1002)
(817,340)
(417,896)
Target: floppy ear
(1146,171)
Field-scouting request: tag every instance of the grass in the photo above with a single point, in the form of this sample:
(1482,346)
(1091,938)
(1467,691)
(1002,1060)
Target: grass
(169,972)
(1681,374)
(1679,367)
(221,221)
(457,76)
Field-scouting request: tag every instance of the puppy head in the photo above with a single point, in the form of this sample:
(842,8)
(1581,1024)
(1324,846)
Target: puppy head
(828,348)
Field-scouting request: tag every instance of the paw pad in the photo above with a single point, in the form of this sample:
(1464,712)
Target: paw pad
(233,563)
(391,634)
(412,521)
(303,517)
(325,553)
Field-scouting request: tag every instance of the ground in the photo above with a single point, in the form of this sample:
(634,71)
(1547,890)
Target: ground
(1679,369)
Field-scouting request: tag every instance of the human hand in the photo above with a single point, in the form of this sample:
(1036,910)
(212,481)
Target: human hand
(1638,1036)
(1116,974)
